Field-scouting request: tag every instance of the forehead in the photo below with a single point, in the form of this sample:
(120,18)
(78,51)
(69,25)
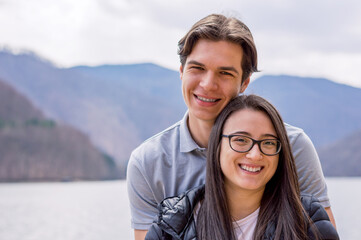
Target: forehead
(220,53)
(254,122)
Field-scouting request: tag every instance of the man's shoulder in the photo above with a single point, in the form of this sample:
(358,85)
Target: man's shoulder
(159,143)
(297,136)
(293,130)
(166,134)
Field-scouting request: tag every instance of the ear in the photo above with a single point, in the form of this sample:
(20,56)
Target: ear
(181,71)
(244,84)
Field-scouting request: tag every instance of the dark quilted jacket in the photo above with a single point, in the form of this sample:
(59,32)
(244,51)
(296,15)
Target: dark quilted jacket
(175,219)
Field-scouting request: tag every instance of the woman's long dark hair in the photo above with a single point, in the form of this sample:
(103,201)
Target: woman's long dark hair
(281,207)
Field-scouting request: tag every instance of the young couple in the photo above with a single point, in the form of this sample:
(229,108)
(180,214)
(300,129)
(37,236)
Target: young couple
(252,179)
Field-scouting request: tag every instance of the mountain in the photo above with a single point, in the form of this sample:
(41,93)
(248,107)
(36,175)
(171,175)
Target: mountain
(35,148)
(342,156)
(324,109)
(117,106)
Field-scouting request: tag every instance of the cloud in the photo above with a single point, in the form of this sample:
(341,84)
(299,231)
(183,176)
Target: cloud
(294,37)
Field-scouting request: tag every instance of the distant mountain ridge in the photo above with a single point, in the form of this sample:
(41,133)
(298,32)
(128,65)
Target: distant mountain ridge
(15,108)
(137,77)
(34,148)
(324,109)
(119,106)
(116,113)
(342,156)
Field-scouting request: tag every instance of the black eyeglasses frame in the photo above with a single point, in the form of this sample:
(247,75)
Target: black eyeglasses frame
(258,142)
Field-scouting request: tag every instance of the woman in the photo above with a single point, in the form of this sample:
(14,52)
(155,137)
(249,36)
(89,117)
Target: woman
(251,189)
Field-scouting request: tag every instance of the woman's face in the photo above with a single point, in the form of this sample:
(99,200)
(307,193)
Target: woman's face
(249,171)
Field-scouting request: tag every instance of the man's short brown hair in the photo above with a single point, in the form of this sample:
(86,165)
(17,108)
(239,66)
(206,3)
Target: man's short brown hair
(217,27)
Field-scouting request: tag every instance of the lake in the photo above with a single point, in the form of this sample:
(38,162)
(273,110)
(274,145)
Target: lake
(99,210)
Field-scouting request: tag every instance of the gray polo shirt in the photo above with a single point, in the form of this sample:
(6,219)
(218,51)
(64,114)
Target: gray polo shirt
(170,163)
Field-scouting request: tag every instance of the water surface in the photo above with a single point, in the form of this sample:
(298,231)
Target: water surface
(99,210)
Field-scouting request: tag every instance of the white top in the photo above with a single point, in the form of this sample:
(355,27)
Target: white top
(245,227)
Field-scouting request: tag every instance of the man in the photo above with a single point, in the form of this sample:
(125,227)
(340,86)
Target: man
(218,56)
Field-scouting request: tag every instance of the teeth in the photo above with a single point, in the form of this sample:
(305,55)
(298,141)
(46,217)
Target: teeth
(251,169)
(206,99)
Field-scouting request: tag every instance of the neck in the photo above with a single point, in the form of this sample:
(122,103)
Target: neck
(200,130)
(243,203)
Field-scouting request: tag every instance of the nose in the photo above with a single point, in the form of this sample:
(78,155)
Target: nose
(255,153)
(209,82)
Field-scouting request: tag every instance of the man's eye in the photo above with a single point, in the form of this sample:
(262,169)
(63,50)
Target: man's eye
(197,68)
(226,73)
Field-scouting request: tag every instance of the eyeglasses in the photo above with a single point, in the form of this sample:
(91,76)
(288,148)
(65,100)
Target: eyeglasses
(242,144)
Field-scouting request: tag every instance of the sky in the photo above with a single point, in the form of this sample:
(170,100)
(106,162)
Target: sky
(311,38)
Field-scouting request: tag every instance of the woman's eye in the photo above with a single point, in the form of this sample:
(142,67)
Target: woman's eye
(269,143)
(241,140)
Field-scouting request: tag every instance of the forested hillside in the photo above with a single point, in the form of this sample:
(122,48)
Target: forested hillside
(35,148)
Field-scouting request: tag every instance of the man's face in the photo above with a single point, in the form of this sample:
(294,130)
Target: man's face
(211,77)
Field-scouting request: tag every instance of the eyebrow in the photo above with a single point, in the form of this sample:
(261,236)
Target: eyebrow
(248,134)
(232,69)
(193,62)
(225,68)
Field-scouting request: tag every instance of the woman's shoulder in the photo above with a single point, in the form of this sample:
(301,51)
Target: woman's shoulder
(314,208)
(182,204)
(310,203)
(175,214)
(319,217)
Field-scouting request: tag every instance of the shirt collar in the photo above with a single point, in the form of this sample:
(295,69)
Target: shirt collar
(187,144)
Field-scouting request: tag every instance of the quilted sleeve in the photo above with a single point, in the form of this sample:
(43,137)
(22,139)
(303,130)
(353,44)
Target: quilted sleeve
(320,218)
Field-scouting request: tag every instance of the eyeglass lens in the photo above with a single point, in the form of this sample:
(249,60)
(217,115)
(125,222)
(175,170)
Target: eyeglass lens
(244,144)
